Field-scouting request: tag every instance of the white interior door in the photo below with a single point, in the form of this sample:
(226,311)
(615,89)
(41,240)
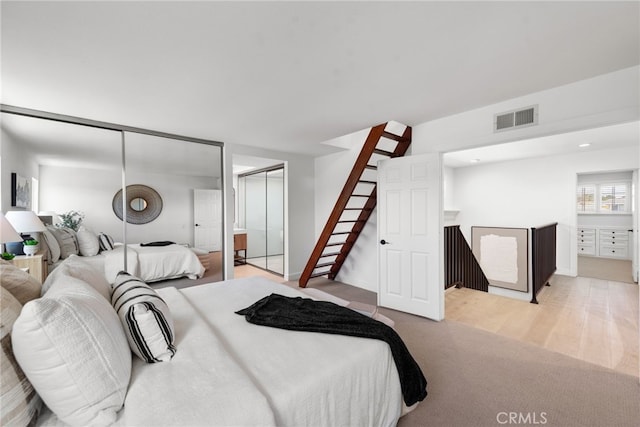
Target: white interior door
(207,219)
(410,252)
(634,240)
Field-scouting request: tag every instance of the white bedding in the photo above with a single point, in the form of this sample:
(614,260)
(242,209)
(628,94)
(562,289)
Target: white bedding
(230,372)
(310,378)
(153,263)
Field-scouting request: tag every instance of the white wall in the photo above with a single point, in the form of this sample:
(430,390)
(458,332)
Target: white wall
(533,192)
(91,192)
(360,268)
(15,158)
(603,100)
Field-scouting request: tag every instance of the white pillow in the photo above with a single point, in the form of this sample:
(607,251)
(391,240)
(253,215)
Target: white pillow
(53,247)
(88,243)
(71,346)
(75,266)
(146,318)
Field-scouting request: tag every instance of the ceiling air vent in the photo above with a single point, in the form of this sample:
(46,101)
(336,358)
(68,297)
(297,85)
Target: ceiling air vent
(516,119)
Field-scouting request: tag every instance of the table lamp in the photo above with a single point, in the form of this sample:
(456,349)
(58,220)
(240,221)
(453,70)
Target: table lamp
(24,222)
(8,234)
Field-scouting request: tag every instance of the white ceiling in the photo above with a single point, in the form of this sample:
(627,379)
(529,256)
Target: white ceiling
(290,75)
(603,138)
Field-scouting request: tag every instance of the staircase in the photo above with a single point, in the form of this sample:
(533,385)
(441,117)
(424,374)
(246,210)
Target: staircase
(355,204)
(461,268)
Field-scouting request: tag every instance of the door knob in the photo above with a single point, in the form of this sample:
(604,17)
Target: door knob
(384,242)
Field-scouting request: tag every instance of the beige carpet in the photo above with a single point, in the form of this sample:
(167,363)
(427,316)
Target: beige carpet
(617,270)
(477,379)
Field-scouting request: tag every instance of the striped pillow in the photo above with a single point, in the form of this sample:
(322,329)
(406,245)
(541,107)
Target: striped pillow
(146,318)
(106,242)
(67,240)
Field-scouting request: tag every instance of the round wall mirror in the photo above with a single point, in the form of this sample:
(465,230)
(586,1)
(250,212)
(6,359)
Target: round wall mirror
(144,204)
(138,204)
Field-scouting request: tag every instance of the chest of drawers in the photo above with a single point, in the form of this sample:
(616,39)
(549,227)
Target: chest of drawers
(586,241)
(613,243)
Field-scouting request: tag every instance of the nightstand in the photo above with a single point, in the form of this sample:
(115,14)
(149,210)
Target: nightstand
(36,265)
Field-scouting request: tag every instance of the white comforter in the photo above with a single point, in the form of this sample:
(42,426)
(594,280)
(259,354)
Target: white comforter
(153,263)
(228,372)
(309,378)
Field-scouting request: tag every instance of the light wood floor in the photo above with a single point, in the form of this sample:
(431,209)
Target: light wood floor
(590,319)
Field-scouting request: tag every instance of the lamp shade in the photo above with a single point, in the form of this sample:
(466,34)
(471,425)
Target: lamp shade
(7,232)
(25,221)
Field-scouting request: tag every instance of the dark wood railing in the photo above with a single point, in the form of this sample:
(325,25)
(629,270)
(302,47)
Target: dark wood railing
(461,268)
(543,256)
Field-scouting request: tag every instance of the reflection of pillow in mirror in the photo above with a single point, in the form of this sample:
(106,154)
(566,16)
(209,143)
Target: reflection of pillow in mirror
(106,242)
(67,240)
(53,247)
(88,243)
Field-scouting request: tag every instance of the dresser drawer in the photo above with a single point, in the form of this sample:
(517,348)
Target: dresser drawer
(586,249)
(617,234)
(613,252)
(586,240)
(586,232)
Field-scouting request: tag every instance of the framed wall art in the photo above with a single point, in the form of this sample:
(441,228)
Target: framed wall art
(503,255)
(20,191)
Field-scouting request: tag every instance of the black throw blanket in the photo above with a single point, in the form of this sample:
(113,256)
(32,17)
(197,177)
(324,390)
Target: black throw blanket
(159,243)
(302,314)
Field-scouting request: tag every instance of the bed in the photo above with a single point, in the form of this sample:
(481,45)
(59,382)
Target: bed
(153,261)
(227,371)
(150,263)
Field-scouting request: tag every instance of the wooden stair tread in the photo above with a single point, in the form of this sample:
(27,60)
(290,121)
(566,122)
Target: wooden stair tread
(335,244)
(324,273)
(329,254)
(393,136)
(384,152)
(325,264)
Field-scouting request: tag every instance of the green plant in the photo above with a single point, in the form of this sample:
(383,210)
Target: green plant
(7,256)
(71,219)
(30,242)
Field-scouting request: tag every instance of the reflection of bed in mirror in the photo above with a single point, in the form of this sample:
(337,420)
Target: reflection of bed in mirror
(150,263)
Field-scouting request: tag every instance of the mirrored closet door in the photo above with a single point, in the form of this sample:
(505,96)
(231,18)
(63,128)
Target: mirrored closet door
(136,188)
(263,200)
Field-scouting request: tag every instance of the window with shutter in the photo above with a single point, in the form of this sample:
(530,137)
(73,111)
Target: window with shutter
(586,197)
(603,198)
(613,197)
